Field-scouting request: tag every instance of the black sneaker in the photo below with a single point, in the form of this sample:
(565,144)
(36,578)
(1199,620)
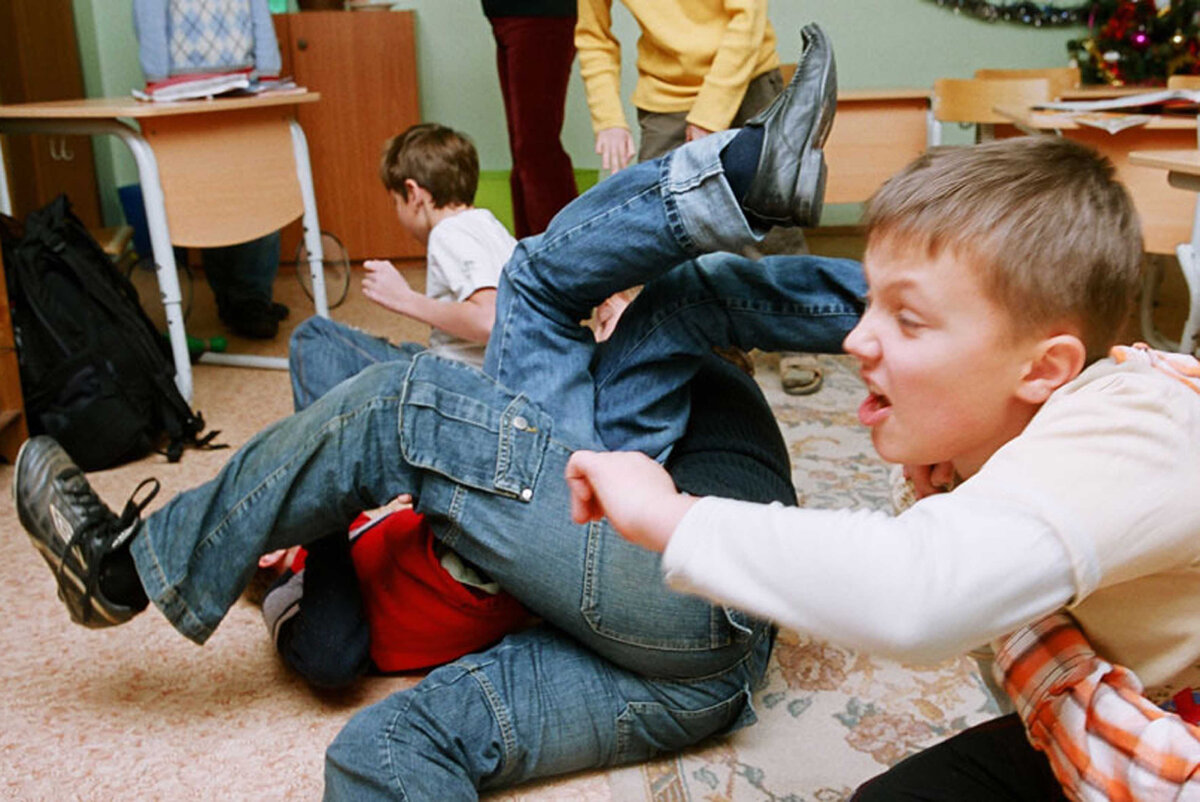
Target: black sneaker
(72,528)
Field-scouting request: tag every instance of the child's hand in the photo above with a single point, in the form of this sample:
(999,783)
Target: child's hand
(607,314)
(615,146)
(634,492)
(384,285)
(929,480)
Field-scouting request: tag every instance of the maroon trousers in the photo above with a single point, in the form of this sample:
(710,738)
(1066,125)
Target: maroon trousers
(534,57)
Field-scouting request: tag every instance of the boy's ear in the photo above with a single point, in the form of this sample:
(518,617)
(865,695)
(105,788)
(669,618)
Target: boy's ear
(415,191)
(1056,361)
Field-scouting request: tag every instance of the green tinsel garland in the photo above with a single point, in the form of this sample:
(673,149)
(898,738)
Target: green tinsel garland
(1024,13)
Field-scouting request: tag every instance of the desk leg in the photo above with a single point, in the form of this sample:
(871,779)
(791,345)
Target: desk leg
(312,241)
(312,228)
(164,256)
(156,221)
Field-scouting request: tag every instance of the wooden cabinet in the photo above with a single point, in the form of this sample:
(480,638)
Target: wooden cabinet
(364,65)
(39,60)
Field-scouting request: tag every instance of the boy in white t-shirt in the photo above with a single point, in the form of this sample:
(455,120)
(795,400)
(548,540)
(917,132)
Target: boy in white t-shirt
(432,173)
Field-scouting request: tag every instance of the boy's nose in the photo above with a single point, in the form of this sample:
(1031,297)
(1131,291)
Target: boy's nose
(860,344)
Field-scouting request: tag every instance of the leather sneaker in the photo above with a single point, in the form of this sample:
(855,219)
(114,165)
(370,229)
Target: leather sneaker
(72,528)
(789,185)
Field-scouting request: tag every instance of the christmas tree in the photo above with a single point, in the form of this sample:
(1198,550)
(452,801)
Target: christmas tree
(1139,42)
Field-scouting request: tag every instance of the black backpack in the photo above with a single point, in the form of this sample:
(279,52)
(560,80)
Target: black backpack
(95,373)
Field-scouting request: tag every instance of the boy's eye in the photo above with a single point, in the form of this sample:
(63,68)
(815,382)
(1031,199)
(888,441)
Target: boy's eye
(908,321)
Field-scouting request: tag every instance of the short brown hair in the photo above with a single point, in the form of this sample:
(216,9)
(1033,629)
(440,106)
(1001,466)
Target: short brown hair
(1054,235)
(437,158)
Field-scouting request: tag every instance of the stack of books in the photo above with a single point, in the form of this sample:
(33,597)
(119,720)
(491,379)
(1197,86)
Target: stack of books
(1115,114)
(208,85)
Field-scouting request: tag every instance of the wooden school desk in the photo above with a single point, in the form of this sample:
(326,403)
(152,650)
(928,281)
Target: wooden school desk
(1166,212)
(875,133)
(1183,172)
(213,172)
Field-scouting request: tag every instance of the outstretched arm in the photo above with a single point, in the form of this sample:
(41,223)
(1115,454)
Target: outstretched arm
(845,576)
(470,319)
(633,491)
(1103,738)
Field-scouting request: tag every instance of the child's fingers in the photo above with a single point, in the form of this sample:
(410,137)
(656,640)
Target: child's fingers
(942,476)
(584,504)
(272,558)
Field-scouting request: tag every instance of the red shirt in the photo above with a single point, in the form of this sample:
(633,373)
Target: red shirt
(418,614)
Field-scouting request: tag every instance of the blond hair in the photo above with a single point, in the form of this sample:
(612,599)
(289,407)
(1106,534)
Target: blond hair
(437,158)
(1053,234)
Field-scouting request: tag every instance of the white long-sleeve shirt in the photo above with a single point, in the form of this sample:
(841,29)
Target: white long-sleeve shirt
(1096,505)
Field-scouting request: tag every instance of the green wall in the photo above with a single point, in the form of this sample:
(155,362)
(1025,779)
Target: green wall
(880,43)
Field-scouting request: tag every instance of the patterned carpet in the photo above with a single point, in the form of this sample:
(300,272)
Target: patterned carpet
(138,712)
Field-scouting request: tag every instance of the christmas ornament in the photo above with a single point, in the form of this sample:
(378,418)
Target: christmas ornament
(1138,42)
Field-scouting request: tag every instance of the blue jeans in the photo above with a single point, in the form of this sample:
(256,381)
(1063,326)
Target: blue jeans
(487,468)
(639,376)
(645,225)
(778,303)
(323,353)
(643,669)
(242,272)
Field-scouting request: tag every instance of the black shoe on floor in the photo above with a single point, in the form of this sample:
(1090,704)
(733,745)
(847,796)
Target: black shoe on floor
(72,528)
(789,185)
(279,311)
(252,317)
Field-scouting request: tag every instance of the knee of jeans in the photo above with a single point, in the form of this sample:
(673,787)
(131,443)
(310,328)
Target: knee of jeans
(355,762)
(435,741)
(302,336)
(310,330)
(647,729)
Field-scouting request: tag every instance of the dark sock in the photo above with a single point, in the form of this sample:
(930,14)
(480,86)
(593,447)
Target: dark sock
(739,158)
(119,580)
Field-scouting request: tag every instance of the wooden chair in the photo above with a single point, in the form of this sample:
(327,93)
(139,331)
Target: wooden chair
(875,133)
(973,101)
(1061,78)
(1183,82)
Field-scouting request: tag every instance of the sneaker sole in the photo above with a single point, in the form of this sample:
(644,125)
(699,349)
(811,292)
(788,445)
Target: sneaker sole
(810,184)
(55,561)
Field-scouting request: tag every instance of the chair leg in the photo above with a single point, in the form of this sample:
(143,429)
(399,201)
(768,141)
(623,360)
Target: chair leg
(1191,275)
(1189,265)
(1150,279)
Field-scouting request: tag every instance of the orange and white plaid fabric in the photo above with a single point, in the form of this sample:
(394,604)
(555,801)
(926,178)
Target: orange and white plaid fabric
(1104,739)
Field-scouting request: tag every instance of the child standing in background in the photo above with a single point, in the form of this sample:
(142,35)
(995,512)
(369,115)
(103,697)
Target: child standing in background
(432,173)
(344,608)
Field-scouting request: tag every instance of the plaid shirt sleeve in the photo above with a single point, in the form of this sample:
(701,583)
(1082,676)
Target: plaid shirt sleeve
(1104,739)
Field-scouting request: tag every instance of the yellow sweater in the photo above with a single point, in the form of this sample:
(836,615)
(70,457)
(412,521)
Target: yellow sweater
(693,55)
